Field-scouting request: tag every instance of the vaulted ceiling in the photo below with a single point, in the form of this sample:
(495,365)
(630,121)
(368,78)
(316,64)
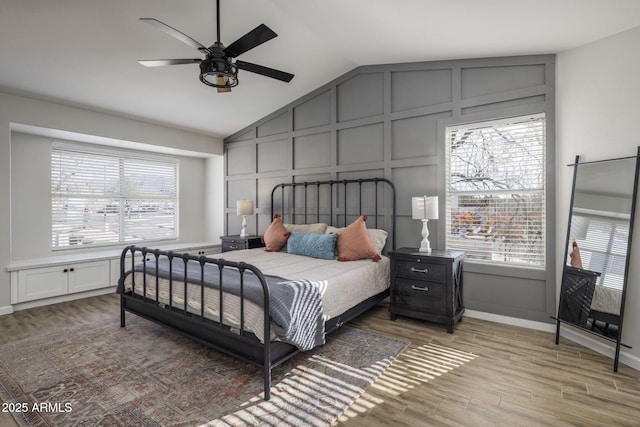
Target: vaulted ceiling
(84,52)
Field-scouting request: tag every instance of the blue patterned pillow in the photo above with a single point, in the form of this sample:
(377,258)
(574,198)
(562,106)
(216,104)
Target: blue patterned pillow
(313,245)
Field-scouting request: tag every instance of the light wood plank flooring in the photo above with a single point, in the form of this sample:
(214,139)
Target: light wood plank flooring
(490,374)
(485,374)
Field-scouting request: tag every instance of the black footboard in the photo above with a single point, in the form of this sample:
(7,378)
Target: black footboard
(241,344)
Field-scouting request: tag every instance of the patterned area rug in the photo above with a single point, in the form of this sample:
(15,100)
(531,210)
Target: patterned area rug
(147,375)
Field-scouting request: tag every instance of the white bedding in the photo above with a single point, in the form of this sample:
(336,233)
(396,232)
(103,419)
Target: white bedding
(342,284)
(606,299)
(346,283)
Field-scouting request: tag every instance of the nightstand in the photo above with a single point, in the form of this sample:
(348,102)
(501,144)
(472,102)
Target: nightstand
(427,286)
(234,243)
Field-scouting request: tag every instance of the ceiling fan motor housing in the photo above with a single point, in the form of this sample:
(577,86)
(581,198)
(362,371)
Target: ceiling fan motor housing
(218,72)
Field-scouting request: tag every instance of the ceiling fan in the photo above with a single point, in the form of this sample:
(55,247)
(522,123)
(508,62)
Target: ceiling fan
(219,68)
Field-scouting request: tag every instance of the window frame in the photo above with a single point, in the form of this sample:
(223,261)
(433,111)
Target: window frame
(491,197)
(121,156)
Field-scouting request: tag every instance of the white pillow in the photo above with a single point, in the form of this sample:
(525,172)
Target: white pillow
(378,236)
(317,228)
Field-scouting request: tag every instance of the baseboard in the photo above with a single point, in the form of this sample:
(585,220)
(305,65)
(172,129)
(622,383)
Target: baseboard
(606,348)
(514,321)
(599,346)
(63,298)
(6,310)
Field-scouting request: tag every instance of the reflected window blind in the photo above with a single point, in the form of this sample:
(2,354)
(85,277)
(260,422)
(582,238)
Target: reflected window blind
(102,198)
(495,202)
(604,249)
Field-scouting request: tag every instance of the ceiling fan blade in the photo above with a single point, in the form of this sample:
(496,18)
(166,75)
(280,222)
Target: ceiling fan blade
(175,33)
(265,71)
(163,62)
(253,38)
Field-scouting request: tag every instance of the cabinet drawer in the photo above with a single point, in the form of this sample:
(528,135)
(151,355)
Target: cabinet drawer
(421,270)
(420,296)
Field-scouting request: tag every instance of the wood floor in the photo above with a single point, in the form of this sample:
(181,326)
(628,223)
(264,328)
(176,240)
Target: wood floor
(490,374)
(485,374)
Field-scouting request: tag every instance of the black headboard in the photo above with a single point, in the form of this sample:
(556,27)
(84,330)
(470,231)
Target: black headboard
(327,201)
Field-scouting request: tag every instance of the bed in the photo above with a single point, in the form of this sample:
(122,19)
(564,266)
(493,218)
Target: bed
(261,306)
(605,308)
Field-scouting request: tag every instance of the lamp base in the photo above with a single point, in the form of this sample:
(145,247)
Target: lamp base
(243,231)
(426,250)
(425,246)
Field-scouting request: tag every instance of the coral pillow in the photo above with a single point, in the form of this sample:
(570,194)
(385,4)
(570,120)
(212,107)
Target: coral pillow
(576,259)
(354,243)
(276,235)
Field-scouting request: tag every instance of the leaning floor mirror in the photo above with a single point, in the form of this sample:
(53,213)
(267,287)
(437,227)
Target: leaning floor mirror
(597,250)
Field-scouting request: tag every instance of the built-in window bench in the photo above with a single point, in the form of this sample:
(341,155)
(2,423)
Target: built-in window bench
(42,281)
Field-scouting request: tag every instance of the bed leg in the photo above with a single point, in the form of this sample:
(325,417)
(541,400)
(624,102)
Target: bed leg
(267,383)
(122,321)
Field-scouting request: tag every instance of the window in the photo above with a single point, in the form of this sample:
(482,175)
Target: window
(103,197)
(495,201)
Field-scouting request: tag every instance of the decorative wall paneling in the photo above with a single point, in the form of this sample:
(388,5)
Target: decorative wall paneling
(389,121)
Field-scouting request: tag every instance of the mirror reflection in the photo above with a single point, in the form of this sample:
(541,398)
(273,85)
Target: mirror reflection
(593,277)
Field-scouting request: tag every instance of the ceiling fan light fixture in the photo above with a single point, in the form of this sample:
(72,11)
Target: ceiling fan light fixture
(219,73)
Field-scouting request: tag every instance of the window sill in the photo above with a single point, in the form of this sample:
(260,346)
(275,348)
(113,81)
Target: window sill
(96,256)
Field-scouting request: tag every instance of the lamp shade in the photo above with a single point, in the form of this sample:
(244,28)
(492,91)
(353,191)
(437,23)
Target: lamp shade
(244,207)
(424,207)
(579,227)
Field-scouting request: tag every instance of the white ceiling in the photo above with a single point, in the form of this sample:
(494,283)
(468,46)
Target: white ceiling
(84,52)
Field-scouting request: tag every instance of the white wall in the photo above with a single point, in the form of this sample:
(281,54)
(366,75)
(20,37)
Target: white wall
(598,108)
(45,114)
(214,209)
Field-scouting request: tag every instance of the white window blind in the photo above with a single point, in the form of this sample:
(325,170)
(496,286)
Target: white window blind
(604,249)
(495,202)
(100,198)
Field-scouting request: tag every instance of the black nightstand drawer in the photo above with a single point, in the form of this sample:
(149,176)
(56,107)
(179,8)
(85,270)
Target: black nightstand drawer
(234,243)
(422,270)
(232,246)
(421,296)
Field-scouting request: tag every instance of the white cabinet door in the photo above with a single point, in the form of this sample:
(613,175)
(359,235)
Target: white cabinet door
(87,276)
(43,282)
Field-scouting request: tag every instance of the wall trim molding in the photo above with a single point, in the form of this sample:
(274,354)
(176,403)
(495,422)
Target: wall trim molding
(513,321)
(64,298)
(389,120)
(599,346)
(7,309)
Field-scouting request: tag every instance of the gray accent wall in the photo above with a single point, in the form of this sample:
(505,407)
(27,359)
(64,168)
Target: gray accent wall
(389,121)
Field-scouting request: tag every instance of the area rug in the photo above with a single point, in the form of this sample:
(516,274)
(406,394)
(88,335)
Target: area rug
(148,375)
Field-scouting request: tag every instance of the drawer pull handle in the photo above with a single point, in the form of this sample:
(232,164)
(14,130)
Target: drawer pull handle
(419,270)
(420,288)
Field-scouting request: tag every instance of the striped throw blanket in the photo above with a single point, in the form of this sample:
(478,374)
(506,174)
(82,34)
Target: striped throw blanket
(300,306)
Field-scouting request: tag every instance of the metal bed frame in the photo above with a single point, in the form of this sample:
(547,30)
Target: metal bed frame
(244,345)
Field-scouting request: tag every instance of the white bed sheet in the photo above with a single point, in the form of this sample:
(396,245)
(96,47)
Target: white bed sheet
(342,286)
(606,299)
(345,284)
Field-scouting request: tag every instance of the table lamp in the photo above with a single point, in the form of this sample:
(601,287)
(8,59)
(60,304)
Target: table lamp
(424,208)
(244,208)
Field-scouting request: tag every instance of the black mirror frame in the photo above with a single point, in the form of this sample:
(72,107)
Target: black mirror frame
(565,271)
